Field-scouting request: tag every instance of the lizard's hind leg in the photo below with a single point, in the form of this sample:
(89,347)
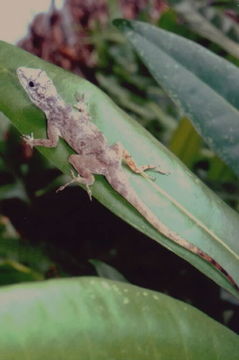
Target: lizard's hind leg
(127,158)
(85,176)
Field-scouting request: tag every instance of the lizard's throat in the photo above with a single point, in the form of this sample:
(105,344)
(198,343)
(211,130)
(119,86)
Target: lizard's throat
(51,104)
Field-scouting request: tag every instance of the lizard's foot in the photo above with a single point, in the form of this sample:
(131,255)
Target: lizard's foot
(28,139)
(89,192)
(80,180)
(159,170)
(142,171)
(75,178)
(125,155)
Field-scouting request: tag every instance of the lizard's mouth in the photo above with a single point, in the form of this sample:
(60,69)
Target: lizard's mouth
(20,71)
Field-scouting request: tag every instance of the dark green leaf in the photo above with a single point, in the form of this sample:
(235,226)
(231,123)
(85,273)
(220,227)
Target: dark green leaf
(200,82)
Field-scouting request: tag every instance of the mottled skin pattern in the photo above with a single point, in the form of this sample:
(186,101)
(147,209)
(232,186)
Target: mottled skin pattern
(93,154)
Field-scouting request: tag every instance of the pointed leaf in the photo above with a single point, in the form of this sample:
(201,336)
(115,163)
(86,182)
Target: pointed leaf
(172,198)
(204,85)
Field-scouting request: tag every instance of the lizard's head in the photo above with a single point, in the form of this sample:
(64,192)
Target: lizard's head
(38,86)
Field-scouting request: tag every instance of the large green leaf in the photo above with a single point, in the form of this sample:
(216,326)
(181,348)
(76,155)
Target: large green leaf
(180,200)
(204,85)
(93,318)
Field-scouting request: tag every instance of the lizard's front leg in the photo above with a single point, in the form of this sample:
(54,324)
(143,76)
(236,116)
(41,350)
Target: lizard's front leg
(125,156)
(53,137)
(82,165)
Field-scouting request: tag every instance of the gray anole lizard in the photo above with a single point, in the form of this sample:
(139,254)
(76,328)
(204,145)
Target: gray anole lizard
(93,154)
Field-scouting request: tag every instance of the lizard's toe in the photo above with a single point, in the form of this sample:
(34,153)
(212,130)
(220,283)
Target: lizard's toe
(28,139)
(159,170)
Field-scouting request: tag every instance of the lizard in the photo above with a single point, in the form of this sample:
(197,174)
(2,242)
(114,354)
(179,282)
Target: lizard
(93,155)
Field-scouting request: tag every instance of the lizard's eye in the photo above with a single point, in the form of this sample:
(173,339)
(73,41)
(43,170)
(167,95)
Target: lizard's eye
(31,84)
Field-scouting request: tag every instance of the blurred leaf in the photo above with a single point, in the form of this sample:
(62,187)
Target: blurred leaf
(4,125)
(198,23)
(12,272)
(225,4)
(114,9)
(165,196)
(222,20)
(186,142)
(92,318)
(19,261)
(169,20)
(106,271)
(219,171)
(14,190)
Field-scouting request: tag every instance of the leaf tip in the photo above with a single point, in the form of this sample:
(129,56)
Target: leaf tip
(122,24)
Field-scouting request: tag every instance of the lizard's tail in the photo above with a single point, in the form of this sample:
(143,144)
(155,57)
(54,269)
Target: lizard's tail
(121,184)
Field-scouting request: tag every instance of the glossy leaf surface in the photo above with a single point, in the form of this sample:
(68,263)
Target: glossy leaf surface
(179,199)
(93,318)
